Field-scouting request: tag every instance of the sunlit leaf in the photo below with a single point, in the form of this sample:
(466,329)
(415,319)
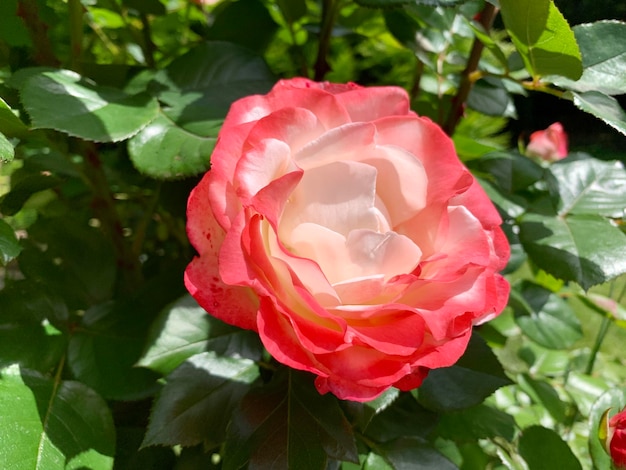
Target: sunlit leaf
(184,329)
(542,37)
(614,399)
(415,454)
(603,50)
(65,101)
(196,404)
(582,248)
(46,424)
(603,107)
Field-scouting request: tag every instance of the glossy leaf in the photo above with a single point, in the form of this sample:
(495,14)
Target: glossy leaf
(414,454)
(7,152)
(479,422)
(589,186)
(288,424)
(542,37)
(543,448)
(509,171)
(398,3)
(603,50)
(603,107)
(184,329)
(9,245)
(364,412)
(65,101)
(541,392)
(56,425)
(473,378)
(582,248)
(544,317)
(198,399)
(197,90)
(10,124)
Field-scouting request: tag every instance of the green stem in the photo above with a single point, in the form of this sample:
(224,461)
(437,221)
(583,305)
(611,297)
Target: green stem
(487,16)
(604,328)
(148,45)
(75,14)
(330,9)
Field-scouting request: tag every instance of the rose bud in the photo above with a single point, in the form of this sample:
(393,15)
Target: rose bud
(614,437)
(343,228)
(549,144)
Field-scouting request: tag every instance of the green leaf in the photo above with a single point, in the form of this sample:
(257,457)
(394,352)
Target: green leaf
(542,37)
(509,171)
(399,3)
(292,10)
(474,377)
(543,448)
(541,392)
(603,107)
(197,90)
(7,152)
(149,7)
(615,399)
(586,249)
(9,245)
(479,422)
(589,186)
(490,97)
(111,335)
(24,188)
(405,418)
(198,399)
(414,454)
(184,329)
(288,424)
(10,124)
(46,424)
(364,412)
(544,317)
(65,101)
(603,50)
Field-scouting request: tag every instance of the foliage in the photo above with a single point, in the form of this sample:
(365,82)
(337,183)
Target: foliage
(109,111)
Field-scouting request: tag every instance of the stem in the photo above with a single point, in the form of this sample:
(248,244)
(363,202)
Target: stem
(487,16)
(330,9)
(142,225)
(417,79)
(148,44)
(104,207)
(38,32)
(604,328)
(75,14)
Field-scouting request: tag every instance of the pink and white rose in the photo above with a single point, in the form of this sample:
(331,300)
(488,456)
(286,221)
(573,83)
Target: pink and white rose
(344,229)
(550,144)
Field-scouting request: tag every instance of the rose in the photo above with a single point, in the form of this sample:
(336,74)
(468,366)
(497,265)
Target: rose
(616,439)
(344,229)
(549,144)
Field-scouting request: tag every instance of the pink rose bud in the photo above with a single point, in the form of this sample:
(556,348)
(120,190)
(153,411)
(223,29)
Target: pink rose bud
(616,439)
(549,144)
(344,229)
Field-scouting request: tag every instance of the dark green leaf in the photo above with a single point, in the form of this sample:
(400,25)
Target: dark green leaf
(149,7)
(184,329)
(255,26)
(7,152)
(129,455)
(405,418)
(542,448)
(491,98)
(9,245)
(288,424)
(197,89)
(589,186)
(542,37)
(364,412)
(478,422)
(196,404)
(65,101)
(603,48)
(603,107)
(292,10)
(582,248)
(615,399)
(474,377)
(10,124)
(414,454)
(13,201)
(46,424)
(541,392)
(544,317)
(509,171)
(398,3)
(103,351)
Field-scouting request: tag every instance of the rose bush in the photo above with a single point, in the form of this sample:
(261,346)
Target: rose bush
(343,228)
(616,439)
(550,144)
